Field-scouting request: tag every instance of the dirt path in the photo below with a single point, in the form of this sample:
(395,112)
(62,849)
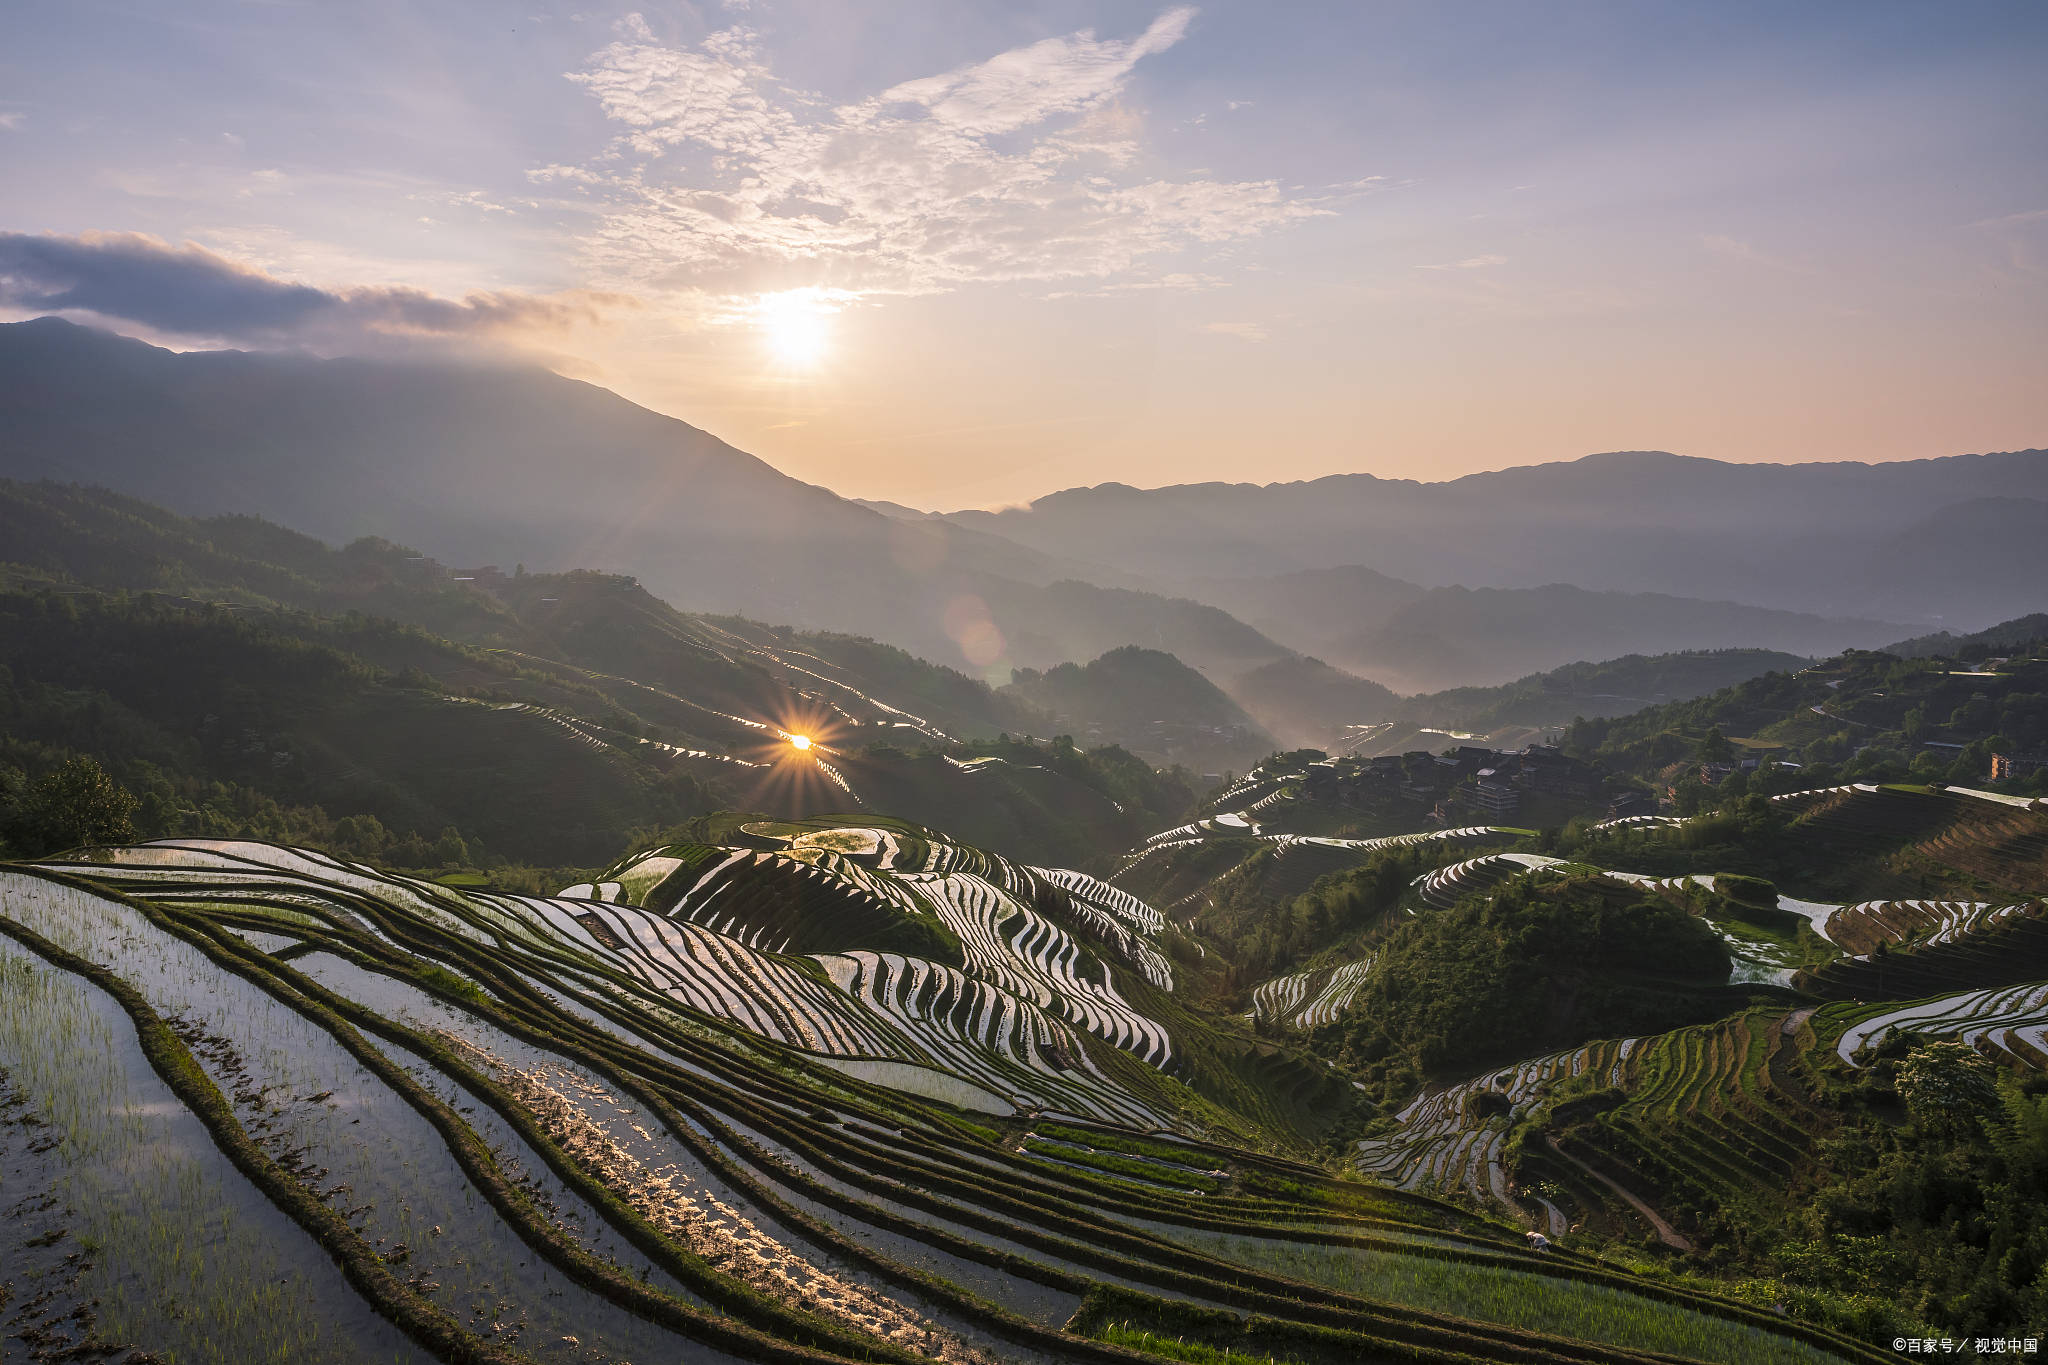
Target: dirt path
(1795,1019)
(1667,1234)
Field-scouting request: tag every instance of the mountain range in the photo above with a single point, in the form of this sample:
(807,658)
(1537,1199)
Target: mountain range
(519,966)
(1416,587)
(1903,538)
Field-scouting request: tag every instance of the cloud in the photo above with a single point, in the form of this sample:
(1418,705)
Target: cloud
(2013,219)
(10,122)
(1029,85)
(541,175)
(188,291)
(1243,331)
(1469,263)
(1175,282)
(1016,168)
(1735,249)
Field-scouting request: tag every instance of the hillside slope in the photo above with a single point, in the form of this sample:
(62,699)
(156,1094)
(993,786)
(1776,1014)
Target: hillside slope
(687,673)
(1415,639)
(1145,692)
(500,465)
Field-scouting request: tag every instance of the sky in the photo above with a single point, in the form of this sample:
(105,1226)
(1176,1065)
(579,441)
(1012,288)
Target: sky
(955,254)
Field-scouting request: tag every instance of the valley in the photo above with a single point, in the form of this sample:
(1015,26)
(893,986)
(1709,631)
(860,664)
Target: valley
(529,968)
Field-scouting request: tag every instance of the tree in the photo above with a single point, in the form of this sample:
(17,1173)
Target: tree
(1715,748)
(76,804)
(1946,1084)
(450,849)
(362,835)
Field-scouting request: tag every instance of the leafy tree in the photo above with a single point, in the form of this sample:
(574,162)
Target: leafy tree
(363,835)
(1946,1216)
(1946,1085)
(76,804)
(449,850)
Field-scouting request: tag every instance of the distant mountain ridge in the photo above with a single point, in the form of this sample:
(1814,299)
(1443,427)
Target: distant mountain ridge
(607,639)
(490,464)
(495,465)
(1415,640)
(1814,538)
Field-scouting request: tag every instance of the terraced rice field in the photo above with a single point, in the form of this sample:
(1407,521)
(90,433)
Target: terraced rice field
(1306,857)
(1447,1144)
(1641,822)
(1310,999)
(1921,923)
(1034,965)
(2009,1023)
(1719,1113)
(1446,886)
(629,1126)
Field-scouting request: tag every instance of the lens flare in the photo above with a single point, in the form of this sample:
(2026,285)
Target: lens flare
(800,741)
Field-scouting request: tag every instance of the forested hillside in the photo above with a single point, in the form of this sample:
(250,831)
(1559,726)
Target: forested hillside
(1860,717)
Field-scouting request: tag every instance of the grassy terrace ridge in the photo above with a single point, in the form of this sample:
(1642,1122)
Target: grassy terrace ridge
(789,1137)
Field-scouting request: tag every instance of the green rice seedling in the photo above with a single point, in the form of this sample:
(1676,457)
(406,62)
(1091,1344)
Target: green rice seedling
(1512,1298)
(182,1255)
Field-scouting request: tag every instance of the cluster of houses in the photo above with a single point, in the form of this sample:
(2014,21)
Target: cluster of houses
(1470,782)
(2006,767)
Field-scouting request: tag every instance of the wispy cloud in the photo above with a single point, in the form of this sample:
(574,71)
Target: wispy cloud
(1017,168)
(1469,263)
(12,120)
(1243,331)
(188,291)
(2013,219)
(1736,249)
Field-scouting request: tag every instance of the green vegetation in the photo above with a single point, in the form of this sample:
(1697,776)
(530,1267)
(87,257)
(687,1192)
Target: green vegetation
(1513,1297)
(1174,1348)
(240,680)
(1116,1164)
(1611,687)
(1112,1140)
(1263,942)
(1289,1086)
(1864,717)
(1534,966)
(1944,1215)
(504,988)
(1151,698)
(73,804)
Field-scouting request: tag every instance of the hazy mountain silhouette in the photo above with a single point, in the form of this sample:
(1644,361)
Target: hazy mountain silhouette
(1811,537)
(1416,639)
(1305,703)
(492,464)
(1144,692)
(504,465)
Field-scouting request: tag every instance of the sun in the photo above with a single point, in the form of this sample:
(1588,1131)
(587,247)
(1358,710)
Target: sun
(799,741)
(797,326)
